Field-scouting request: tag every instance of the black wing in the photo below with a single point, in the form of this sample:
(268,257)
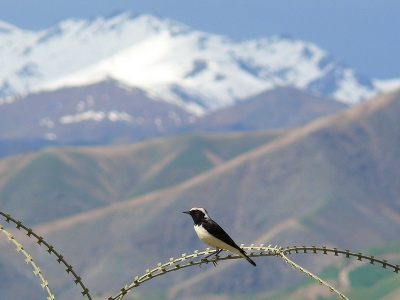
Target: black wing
(213,228)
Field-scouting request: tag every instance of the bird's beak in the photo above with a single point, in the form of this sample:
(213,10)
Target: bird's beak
(186,212)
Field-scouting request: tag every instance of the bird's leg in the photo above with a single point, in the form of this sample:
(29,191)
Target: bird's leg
(205,259)
(214,253)
(218,252)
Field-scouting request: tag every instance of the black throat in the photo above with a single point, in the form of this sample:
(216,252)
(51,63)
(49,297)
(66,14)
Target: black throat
(197,216)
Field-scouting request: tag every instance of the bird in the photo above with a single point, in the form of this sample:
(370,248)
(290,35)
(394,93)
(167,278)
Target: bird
(213,235)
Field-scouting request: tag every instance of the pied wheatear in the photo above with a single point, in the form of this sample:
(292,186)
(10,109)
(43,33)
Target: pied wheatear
(213,235)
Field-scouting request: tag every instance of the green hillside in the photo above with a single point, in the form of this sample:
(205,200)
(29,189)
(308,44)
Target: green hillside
(59,182)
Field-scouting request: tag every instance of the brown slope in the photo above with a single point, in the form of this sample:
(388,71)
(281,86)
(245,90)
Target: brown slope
(333,176)
(278,108)
(58,182)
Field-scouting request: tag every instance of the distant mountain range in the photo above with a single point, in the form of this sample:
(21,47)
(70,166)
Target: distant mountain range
(129,78)
(196,71)
(114,212)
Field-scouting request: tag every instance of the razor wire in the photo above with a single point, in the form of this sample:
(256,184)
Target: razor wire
(372,260)
(29,260)
(193,259)
(185,261)
(50,249)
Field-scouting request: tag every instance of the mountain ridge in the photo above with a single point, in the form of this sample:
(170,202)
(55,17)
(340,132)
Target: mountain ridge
(112,113)
(278,108)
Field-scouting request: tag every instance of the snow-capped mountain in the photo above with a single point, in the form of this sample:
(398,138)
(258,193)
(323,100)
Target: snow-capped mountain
(198,71)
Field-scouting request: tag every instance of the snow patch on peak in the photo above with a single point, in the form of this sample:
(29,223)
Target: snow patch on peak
(98,116)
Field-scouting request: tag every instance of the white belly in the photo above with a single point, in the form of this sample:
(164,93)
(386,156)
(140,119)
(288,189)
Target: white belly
(210,240)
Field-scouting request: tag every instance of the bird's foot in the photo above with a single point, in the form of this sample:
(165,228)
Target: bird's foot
(204,260)
(215,260)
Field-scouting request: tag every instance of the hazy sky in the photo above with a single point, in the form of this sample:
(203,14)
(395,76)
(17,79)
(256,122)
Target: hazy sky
(364,33)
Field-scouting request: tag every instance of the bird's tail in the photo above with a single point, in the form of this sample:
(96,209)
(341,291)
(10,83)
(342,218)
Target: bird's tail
(248,258)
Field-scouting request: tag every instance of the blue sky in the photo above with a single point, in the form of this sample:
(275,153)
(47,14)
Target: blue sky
(364,33)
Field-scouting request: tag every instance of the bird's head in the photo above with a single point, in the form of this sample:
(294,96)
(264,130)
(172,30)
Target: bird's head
(198,214)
